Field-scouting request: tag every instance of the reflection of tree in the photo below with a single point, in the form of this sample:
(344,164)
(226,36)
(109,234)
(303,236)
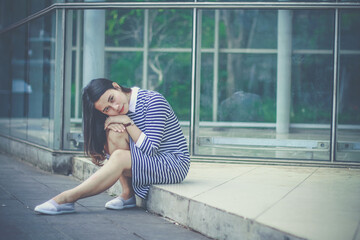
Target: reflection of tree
(124,28)
(238,35)
(159,25)
(166,28)
(254,73)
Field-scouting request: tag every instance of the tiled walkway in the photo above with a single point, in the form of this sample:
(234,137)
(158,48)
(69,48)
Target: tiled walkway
(304,202)
(22,187)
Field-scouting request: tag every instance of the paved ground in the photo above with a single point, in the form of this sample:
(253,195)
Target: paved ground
(315,203)
(22,187)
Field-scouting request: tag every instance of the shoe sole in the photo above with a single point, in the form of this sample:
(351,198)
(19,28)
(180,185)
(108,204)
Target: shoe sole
(54,213)
(126,206)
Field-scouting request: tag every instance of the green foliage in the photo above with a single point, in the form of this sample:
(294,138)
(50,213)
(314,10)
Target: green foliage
(170,28)
(125,68)
(253,73)
(309,114)
(177,85)
(269,110)
(208,27)
(122,26)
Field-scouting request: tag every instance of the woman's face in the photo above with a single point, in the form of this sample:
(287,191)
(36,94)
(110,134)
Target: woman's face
(113,102)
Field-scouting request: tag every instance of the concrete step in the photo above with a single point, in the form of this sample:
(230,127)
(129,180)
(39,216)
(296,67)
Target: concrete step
(241,201)
(175,203)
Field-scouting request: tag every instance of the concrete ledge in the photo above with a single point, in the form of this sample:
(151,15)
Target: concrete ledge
(38,156)
(208,220)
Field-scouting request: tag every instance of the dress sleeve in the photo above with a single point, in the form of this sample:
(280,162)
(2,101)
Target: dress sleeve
(157,112)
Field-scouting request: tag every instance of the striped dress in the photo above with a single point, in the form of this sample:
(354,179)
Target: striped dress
(163,156)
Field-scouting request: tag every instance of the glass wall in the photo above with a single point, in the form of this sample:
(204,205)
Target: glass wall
(12,11)
(250,54)
(348,145)
(146,48)
(27,81)
(5,83)
(264,78)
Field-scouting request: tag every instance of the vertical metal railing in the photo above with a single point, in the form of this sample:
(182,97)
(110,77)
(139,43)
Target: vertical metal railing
(59,77)
(216,66)
(334,114)
(77,64)
(67,78)
(194,56)
(146,50)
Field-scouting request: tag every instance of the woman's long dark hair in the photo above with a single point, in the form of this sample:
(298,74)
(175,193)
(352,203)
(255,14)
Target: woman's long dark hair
(93,120)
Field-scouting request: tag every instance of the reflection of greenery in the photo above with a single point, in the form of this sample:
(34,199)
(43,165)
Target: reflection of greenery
(123,27)
(177,89)
(126,68)
(310,114)
(170,73)
(269,109)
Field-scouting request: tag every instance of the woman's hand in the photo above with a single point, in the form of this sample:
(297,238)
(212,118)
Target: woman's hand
(116,127)
(120,119)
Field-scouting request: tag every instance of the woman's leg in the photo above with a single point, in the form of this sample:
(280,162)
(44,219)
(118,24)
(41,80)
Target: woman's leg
(105,177)
(118,165)
(116,140)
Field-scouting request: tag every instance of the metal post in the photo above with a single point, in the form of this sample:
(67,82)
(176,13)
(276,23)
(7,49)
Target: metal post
(146,49)
(77,64)
(195,83)
(284,71)
(58,97)
(334,118)
(216,66)
(94,44)
(67,79)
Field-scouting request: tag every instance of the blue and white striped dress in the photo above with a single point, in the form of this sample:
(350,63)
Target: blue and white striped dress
(163,155)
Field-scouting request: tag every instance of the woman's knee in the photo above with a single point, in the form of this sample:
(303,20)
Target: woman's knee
(121,157)
(116,136)
(117,140)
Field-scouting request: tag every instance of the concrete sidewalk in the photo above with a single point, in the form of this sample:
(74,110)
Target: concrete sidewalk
(22,187)
(243,201)
(235,201)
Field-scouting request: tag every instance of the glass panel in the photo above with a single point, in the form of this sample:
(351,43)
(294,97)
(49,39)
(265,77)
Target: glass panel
(5,83)
(170,28)
(170,74)
(348,145)
(125,68)
(313,30)
(20,86)
(247,29)
(125,27)
(36,6)
(40,70)
(240,95)
(166,56)
(12,11)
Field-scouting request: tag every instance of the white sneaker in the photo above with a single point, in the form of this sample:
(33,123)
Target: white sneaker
(119,203)
(53,208)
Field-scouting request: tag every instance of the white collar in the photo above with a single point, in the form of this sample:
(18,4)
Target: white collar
(133,99)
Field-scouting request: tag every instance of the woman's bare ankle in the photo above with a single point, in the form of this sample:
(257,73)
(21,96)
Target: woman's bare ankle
(126,196)
(58,200)
(62,198)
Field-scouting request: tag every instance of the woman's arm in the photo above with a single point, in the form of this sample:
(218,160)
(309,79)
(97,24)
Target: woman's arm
(156,114)
(116,123)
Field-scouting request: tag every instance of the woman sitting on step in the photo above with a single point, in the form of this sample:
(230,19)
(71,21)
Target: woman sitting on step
(136,138)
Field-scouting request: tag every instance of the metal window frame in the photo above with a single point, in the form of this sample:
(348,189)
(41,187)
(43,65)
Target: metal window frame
(188,5)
